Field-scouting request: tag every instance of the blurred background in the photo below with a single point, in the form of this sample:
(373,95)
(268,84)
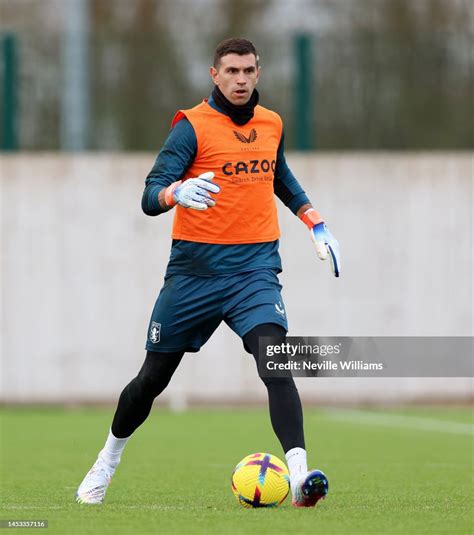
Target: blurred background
(377,98)
(381,74)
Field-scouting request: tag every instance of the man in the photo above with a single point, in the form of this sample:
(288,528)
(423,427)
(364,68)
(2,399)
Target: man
(220,167)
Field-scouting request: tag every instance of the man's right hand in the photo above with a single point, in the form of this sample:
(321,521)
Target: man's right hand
(192,193)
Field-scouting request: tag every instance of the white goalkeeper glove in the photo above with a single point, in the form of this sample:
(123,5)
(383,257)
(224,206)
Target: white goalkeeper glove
(325,243)
(193,192)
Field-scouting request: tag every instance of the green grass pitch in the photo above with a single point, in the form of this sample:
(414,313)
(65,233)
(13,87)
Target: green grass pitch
(394,471)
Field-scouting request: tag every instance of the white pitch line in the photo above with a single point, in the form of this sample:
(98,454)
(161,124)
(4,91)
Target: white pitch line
(396,420)
(73,504)
(43,507)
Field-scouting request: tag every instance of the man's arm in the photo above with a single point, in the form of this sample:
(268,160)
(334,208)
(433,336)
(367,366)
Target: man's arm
(172,162)
(289,191)
(286,186)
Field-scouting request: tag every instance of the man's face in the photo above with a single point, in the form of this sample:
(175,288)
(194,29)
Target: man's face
(236,77)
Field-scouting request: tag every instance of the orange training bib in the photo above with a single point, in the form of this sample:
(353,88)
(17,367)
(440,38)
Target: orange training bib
(243,159)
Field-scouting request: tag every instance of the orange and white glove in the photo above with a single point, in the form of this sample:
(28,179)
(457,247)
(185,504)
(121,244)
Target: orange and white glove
(325,243)
(193,192)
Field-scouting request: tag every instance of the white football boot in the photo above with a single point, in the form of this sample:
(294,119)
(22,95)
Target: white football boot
(312,488)
(94,486)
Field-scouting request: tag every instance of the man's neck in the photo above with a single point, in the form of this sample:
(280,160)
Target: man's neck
(240,115)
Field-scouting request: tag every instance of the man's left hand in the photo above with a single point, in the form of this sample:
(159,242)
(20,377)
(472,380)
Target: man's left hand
(325,243)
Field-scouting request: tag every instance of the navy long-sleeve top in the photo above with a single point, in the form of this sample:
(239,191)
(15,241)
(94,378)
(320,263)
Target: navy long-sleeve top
(207,259)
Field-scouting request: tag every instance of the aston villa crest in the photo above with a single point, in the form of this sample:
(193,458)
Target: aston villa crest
(155,331)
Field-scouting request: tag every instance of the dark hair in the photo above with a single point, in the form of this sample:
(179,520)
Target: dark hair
(234,45)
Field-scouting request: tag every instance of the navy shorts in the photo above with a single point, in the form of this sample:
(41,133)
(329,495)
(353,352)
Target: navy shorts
(189,309)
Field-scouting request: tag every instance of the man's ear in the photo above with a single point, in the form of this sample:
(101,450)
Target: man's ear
(214,75)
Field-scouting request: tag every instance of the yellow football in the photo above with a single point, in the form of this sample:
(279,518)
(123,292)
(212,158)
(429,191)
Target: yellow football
(260,480)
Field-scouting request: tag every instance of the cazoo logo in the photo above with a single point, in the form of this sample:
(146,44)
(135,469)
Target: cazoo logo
(250,166)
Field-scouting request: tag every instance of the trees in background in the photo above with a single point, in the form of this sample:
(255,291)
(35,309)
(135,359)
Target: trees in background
(388,74)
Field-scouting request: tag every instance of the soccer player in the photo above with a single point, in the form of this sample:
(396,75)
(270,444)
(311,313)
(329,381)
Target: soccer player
(220,169)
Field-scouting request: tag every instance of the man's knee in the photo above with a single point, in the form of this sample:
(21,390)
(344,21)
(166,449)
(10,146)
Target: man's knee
(156,373)
(147,384)
(276,333)
(279,383)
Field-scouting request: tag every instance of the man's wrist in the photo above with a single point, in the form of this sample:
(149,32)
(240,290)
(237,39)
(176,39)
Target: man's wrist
(165,196)
(302,209)
(309,216)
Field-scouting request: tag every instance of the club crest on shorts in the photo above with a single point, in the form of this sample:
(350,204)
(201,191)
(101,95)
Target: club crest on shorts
(155,331)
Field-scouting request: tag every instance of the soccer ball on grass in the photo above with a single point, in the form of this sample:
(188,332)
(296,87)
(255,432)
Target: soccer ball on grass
(260,480)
